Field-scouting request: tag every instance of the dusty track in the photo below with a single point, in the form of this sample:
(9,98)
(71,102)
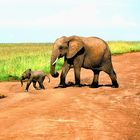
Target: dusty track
(75,113)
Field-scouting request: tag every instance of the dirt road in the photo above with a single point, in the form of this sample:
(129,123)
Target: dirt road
(75,113)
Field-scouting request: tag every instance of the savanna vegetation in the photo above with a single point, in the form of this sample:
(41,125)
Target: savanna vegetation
(120,47)
(16,58)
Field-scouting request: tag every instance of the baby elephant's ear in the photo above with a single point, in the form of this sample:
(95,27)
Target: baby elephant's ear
(74,47)
(28,73)
(29,69)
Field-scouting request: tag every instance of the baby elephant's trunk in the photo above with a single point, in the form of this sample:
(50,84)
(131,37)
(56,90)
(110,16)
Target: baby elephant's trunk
(21,81)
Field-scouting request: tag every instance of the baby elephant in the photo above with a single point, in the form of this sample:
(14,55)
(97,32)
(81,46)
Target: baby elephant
(33,76)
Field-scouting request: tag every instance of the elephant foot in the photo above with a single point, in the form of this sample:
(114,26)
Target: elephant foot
(94,86)
(38,88)
(43,88)
(62,85)
(25,90)
(115,84)
(77,85)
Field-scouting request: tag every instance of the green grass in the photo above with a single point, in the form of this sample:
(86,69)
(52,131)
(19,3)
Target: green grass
(16,58)
(120,47)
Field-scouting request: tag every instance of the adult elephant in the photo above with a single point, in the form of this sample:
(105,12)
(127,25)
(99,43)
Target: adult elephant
(87,52)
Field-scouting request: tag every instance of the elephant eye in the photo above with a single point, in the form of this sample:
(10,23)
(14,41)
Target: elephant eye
(60,47)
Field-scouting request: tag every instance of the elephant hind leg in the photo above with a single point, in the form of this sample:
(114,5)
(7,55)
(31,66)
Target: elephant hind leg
(40,82)
(113,78)
(95,79)
(108,68)
(41,85)
(34,84)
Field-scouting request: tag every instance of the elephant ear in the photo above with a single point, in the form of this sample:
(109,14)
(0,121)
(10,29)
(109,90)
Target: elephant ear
(74,47)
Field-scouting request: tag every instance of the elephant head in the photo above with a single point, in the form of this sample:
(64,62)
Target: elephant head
(25,75)
(66,47)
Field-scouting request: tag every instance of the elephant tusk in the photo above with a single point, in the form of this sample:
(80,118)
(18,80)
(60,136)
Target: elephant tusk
(55,61)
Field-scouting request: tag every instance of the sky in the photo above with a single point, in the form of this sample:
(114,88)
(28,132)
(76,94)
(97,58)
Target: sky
(46,20)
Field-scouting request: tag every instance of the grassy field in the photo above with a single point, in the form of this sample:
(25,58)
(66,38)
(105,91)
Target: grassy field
(16,58)
(120,47)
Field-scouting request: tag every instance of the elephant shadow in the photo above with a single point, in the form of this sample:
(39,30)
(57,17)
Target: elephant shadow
(71,84)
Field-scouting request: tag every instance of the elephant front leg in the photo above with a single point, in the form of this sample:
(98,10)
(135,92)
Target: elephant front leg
(77,75)
(77,69)
(27,86)
(65,70)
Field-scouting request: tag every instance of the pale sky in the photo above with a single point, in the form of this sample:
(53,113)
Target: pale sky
(46,20)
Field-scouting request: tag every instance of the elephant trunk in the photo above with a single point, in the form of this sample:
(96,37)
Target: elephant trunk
(21,81)
(54,59)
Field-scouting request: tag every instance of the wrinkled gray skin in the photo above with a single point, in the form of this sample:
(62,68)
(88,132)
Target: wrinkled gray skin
(87,52)
(33,76)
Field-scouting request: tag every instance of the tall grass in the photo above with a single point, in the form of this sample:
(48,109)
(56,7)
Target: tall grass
(119,47)
(16,58)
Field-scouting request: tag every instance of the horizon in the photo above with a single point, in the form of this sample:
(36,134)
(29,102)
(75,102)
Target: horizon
(43,21)
(54,40)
